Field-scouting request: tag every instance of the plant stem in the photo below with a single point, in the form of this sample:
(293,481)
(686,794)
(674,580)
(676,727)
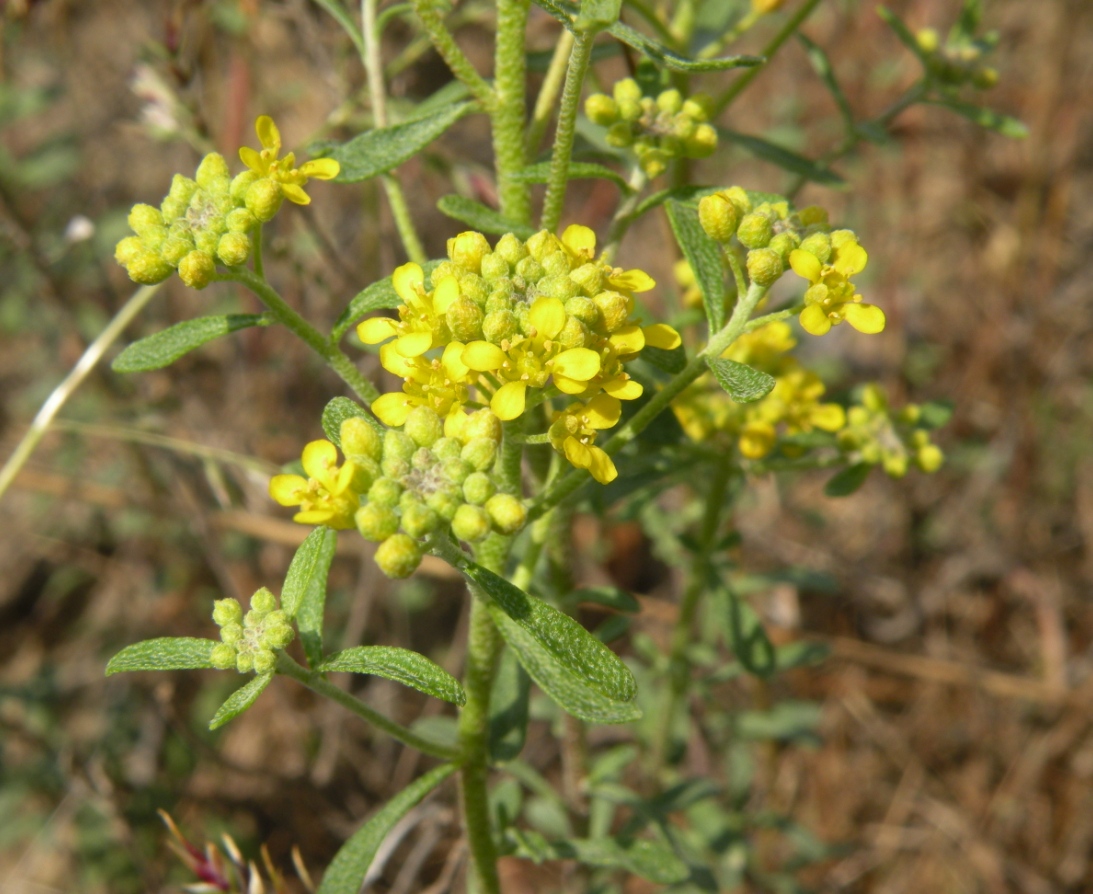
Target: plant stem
(60,395)
(316,682)
(548,92)
(566,130)
(774,317)
(451,53)
(288,317)
(509,109)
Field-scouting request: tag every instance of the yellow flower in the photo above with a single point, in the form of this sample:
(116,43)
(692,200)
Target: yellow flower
(440,383)
(324,497)
(831,298)
(283,171)
(574,430)
(421,325)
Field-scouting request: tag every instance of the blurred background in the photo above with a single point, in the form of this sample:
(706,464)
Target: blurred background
(954,748)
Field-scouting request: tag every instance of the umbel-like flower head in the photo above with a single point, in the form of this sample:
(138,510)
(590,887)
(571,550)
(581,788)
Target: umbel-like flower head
(831,297)
(283,171)
(325,497)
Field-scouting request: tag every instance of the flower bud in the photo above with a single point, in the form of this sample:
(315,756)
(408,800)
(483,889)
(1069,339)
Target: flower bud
(699,106)
(653,161)
(499,325)
(398,556)
(447,448)
(470,523)
(244,662)
(240,220)
(626,90)
(206,241)
(819,245)
(360,439)
(542,244)
(561,287)
(494,266)
(479,453)
(507,514)
(530,269)
(444,503)
(264,198)
(984,79)
(928,40)
(197,269)
(590,277)
(232,633)
(573,335)
(670,101)
(455,471)
(478,488)
(584,310)
(264,661)
(765,265)
(223,656)
(263,601)
(176,247)
(384,492)
(398,445)
(929,458)
(718,217)
(418,520)
(464,318)
(614,309)
(601,109)
(702,142)
(147,222)
(784,243)
(213,174)
(620,135)
(143,266)
(895,465)
(482,424)
(182,189)
(276,636)
(755,230)
(467,250)
(227,611)
(739,197)
(375,522)
(511,249)
(423,426)
(233,249)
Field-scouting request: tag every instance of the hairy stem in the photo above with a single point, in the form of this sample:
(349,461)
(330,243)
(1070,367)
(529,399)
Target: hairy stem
(548,92)
(508,113)
(450,52)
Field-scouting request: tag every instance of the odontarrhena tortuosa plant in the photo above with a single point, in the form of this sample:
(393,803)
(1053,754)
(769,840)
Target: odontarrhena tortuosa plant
(540,378)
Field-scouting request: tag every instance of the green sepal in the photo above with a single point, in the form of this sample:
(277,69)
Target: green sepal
(377,151)
(991,120)
(743,383)
(578,170)
(240,700)
(164,348)
(381,295)
(844,482)
(346,873)
(481,218)
(339,409)
(704,256)
(650,860)
(401,665)
(303,596)
(164,653)
(785,159)
(509,708)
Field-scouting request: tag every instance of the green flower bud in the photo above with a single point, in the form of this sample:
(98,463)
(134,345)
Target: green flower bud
(455,471)
(530,269)
(474,287)
(384,492)
(276,636)
(227,611)
(653,161)
(839,238)
(478,487)
(418,520)
(423,426)
(464,318)
(499,325)
(147,221)
(398,556)
(699,107)
(590,277)
(395,467)
(240,184)
(470,523)
(264,198)
(494,266)
(739,197)
(232,633)
(264,661)
(263,601)
(784,243)
(398,445)
(511,249)
(360,438)
(244,662)
(197,269)
(561,287)
(818,244)
(444,503)
(423,460)
(540,245)
(702,142)
(670,101)
(718,216)
(614,309)
(765,265)
(620,135)
(376,523)
(447,449)
(467,250)
(626,89)
(213,174)
(143,266)
(984,79)
(895,465)
(240,220)
(176,247)
(755,230)
(206,242)
(584,310)
(223,656)
(233,249)
(601,109)
(182,189)
(556,263)
(129,248)
(482,424)
(573,335)
(507,513)
(479,453)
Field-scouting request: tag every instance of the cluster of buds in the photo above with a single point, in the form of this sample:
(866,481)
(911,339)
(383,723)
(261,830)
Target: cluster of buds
(209,218)
(521,324)
(659,129)
(776,237)
(960,60)
(894,439)
(250,642)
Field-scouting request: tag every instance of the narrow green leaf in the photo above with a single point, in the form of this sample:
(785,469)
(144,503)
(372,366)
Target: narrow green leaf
(346,873)
(821,64)
(936,413)
(481,218)
(596,15)
(612,597)
(844,482)
(746,636)
(786,721)
(991,120)
(381,295)
(377,151)
(578,170)
(339,409)
(905,35)
(672,362)
(509,708)
(342,17)
(970,17)
(651,860)
(704,256)
(240,700)
(784,158)
(743,383)
(304,594)
(164,348)
(658,52)
(165,653)
(401,665)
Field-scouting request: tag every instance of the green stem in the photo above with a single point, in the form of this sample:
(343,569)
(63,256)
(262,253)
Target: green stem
(509,110)
(450,52)
(660,401)
(548,92)
(566,131)
(317,683)
(774,317)
(288,317)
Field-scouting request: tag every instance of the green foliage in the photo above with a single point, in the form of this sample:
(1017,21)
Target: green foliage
(304,593)
(165,653)
(743,383)
(509,708)
(704,256)
(240,700)
(481,218)
(164,348)
(785,159)
(401,665)
(337,411)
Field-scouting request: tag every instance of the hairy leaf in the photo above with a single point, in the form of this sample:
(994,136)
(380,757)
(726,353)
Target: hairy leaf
(704,256)
(240,700)
(844,482)
(339,409)
(743,383)
(165,653)
(381,295)
(164,348)
(785,159)
(481,218)
(508,708)
(304,594)
(401,665)
(651,860)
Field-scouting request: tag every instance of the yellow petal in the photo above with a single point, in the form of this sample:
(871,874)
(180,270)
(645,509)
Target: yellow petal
(481,356)
(580,241)
(314,517)
(319,457)
(268,134)
(377,329)
(577,363)
(632,281)
(392,361)
(288,490)
(452,362)
(628,340)
(414,344)
(850,259)
(805,264)
(624,388)
(408,281)
(603,411)
(446,291)
(392,409)
(814,320)
(756,441)
(829,417)
(508,402)
(252,159)
(320,169)
(866,318)
(548,316)
(295,194)
(601,467)
(577,453)
(569,386)
(345,478)
(663,336)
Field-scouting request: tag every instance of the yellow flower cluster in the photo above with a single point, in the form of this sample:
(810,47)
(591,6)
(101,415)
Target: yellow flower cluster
(894,439)
(523,323)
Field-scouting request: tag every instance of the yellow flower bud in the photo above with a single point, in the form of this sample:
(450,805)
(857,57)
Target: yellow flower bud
(376,523)
(470,523)
(614,309)
(264,198)
(702,142)
(384,492)
(818,245)
(227,611)
(627,90)
(233,249)
(928,40)
(423,426)
(264,661)
(223,657)
(360,439)
(511,249)
(601,109)
(464,319)
(506,512)
(755,230)
(467,250)
(418,520)
(718,216)
(670,101)
(765,265)
(479,453)
(478,488)
(263,601)
(197,269)
(398,556)
(784,243)
(620,135)
(498,326)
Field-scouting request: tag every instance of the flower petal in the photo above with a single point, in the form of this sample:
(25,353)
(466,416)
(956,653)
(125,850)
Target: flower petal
(569,386)
(548,316)
(624,388)
(601,467)
(268,134)
(805,264)
(295,193)
(392,409)
(866,318)
(509,401)
(579,241)
(851,258)
(577,363)
(663,336)
(320,169)
(452,362)
(481,356)
(377,329)
(603,411)
(814,320)
(253,160)
(632,281)
(408,280)
(288,490)
(414,344)
(319,457)
(392,361)
(628,340)
(577,453)
(446,291)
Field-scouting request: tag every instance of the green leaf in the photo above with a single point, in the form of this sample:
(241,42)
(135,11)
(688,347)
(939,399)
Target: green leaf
(381,295)
(165,653)
(401,665)
(240,700)
(821,64)
(658,52)
(596,15)
(970,17)
(905,35)
(509,708)
(164,348)
(935,413)
(844,482)
(786,721)
(346,873)
(673,361)
(746,636)
(378,151)
(612,597)
(578,170)
(784,158)
(991,120)
(651,860)
(704,256)
(337,411)
(743,383)
(304,594)
(481,218)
